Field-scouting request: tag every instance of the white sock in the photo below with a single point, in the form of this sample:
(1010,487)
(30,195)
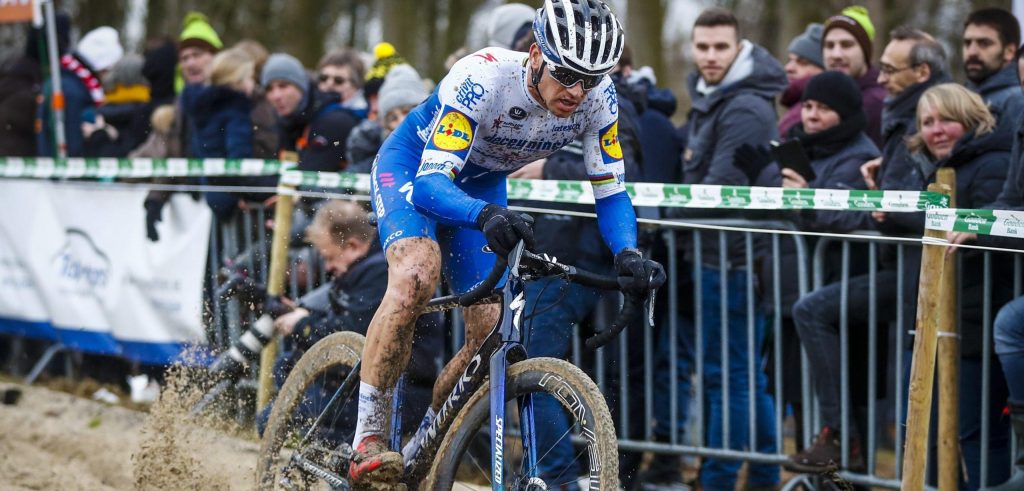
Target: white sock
(373,412)
(418,437)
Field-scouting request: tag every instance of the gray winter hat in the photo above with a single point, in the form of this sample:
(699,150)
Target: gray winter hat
(402,87)
(283,66)
(808,44)
(127,71)
(505,22)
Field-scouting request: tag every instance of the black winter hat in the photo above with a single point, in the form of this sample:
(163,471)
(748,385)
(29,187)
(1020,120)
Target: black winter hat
(837,91)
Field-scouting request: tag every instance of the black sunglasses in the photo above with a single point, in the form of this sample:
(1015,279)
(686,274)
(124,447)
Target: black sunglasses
(338,79)
(569,78)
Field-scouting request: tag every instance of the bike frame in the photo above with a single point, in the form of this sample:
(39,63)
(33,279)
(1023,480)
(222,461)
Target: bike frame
(502,348)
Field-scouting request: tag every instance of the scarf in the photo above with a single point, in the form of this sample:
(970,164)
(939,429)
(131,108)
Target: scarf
(71,64)
(829,142)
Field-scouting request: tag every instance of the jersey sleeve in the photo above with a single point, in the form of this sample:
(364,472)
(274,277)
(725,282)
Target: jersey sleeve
(463,98)
(602,154)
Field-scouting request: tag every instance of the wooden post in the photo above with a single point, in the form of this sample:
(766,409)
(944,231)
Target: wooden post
(948,362)
(922,371)
(276,285)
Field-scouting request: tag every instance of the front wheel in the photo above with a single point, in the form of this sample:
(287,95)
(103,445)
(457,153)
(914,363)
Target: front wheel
(588,445)
(299,426)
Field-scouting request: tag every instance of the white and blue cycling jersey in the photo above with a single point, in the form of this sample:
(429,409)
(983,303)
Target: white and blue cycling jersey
(450,157)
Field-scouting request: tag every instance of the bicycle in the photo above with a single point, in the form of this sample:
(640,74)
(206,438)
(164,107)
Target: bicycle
(300,450)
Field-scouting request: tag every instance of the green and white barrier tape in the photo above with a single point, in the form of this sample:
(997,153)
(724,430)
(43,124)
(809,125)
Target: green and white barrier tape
(46,168)
(642,194)
(677,195)
(983,222)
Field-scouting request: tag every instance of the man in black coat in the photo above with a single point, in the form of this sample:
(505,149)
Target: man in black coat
(312,123)
(347,243)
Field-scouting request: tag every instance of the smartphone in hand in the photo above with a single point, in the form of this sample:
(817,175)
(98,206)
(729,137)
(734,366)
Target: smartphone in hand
(790,155)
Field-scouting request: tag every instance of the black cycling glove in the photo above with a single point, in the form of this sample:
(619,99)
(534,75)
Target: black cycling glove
(503,229)
(637,275)
(154,213)
(751,159)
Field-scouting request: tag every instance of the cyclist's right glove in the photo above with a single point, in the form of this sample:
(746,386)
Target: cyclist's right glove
(637,275)
(503,229)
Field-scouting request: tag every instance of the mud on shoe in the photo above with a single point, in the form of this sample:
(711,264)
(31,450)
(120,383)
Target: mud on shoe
(825,454)
(375,466)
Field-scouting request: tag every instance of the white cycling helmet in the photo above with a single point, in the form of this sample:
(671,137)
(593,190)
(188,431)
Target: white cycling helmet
(582,35)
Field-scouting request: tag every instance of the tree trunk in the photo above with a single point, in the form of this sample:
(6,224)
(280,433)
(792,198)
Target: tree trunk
(645,20)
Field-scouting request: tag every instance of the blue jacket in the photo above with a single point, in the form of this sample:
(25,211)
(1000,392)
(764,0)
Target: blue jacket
(1002,93)
(741,111)
(223,128)
(981,167)
(78,108)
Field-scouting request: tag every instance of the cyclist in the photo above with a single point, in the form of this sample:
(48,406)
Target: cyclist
(439,181)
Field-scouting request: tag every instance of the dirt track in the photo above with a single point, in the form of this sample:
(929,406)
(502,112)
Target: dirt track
(52,440)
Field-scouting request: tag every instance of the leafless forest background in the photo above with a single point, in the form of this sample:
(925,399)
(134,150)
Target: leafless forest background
(426,32)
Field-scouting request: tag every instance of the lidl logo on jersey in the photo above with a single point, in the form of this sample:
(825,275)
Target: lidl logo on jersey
(454,131)
(611,152)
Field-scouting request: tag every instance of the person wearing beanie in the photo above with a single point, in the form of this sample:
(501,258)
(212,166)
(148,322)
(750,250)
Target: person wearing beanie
(804,61)
(402,90)
(197,44)
(831,131)
(81,72)
(100,48)
(847,47)
(122,123)
(991,38)
(506,21)
(385,57)
(311,123)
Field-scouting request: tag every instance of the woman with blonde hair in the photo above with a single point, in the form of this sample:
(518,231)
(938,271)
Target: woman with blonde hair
(955,130)
(220,111)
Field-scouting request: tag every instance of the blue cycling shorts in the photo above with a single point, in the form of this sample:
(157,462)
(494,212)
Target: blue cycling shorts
(464,258)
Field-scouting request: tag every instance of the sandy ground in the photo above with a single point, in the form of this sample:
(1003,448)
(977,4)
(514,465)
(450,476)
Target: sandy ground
(53,440)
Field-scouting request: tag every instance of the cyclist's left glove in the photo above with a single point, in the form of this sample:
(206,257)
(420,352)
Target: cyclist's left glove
(503,229)
(637,275)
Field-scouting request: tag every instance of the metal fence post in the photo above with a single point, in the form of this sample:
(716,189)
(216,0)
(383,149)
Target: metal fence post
(276,284)
(948,362)
(922,371)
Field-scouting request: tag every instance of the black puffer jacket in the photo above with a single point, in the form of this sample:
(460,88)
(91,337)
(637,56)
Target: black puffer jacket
(354,298)
(981,166)
(318,131)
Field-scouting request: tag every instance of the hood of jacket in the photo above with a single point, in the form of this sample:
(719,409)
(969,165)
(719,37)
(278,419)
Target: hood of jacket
(205,102)
(754,72)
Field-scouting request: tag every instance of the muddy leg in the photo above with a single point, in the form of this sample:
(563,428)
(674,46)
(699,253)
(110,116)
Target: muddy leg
(414,266)
(479,321)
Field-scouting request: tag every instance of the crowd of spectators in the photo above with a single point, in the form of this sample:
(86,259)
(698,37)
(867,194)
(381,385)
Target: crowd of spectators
(861,123)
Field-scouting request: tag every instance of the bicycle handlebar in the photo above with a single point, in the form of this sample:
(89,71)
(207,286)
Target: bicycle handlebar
(548,266)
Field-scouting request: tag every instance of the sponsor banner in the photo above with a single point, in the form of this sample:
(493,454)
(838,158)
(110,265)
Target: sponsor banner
(15,11)
(47,168)
(983,222)
(76,267)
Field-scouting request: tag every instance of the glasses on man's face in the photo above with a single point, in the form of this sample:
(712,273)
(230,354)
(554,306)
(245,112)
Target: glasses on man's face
(336,79)
(890,70)
(569,78)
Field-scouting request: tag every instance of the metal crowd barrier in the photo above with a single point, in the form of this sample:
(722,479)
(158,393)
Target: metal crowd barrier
(247,233)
